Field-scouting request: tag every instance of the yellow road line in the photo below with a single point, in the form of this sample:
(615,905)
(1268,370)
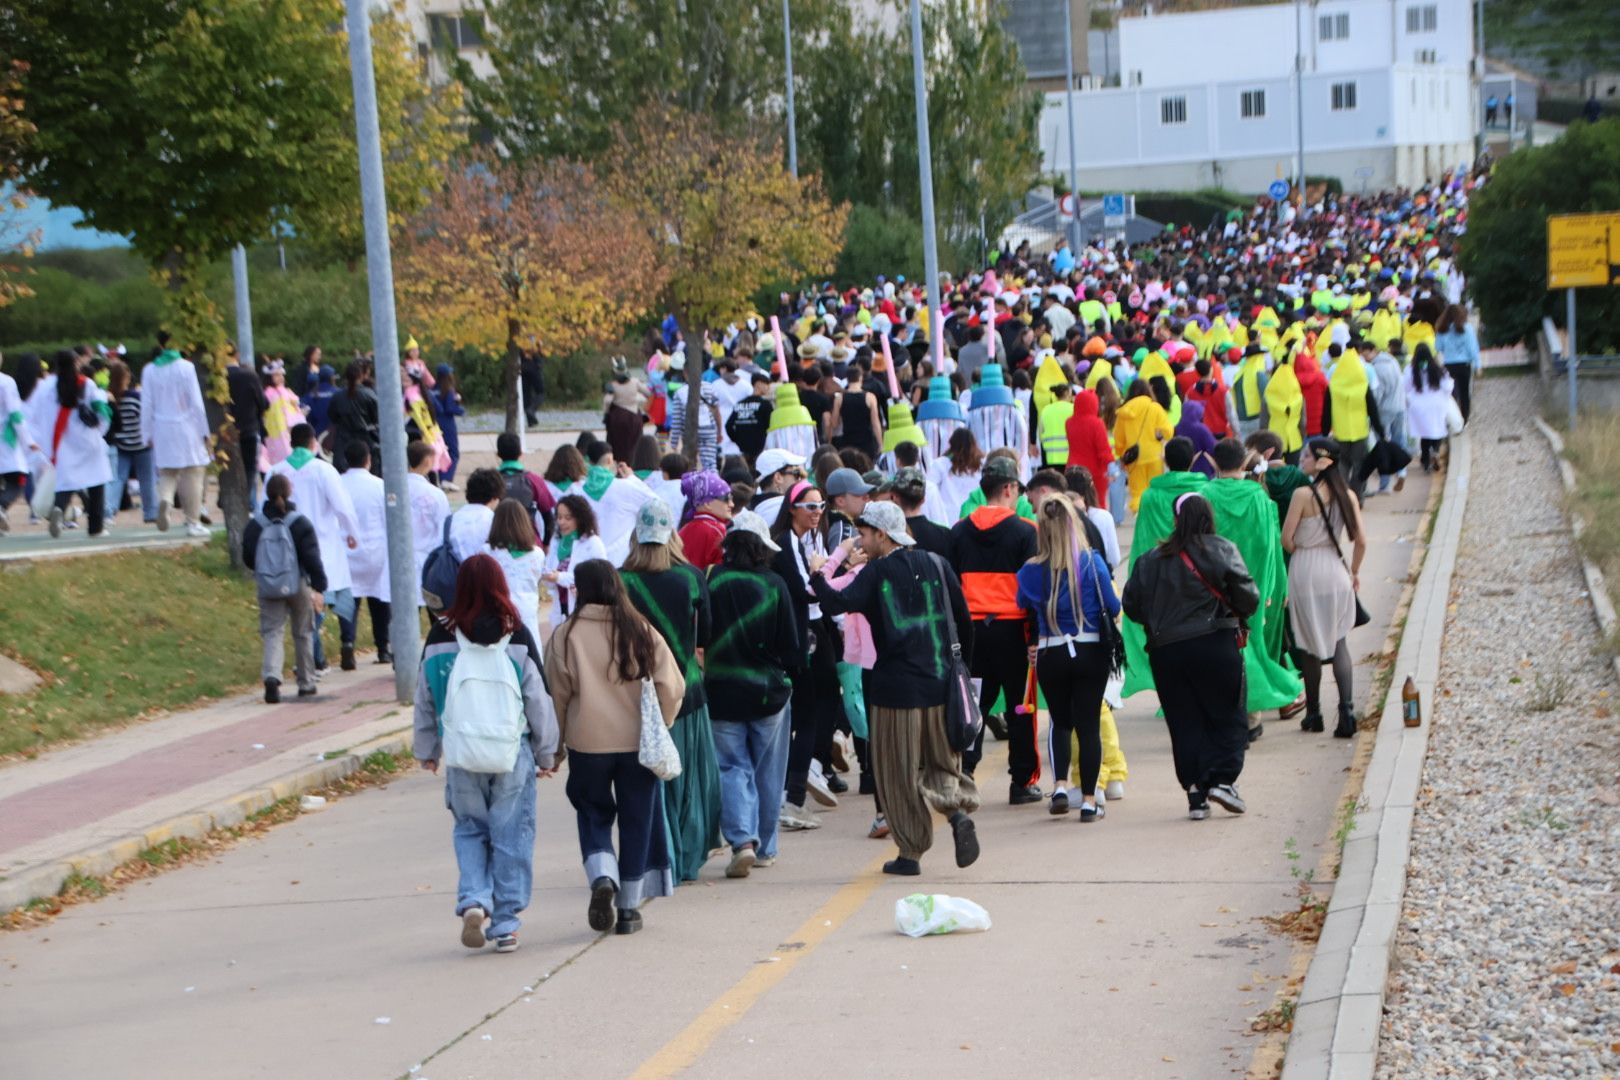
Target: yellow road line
(684,1050)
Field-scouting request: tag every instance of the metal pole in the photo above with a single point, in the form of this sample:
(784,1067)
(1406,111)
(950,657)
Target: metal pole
(925,170)
(1479,78)
(244,311)
(404,589)
(1068,93)
(1571,354)
(787,51)
(1299,104)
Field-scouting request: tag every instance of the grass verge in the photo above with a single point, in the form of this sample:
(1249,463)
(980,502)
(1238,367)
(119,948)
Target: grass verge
(1594,449)
(377,769)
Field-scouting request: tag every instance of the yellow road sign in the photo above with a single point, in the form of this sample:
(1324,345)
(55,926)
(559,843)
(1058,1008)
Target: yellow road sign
(1583,250)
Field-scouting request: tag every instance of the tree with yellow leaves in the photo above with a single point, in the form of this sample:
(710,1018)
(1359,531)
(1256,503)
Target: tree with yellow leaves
(506,254)
(15,132)
(724,219)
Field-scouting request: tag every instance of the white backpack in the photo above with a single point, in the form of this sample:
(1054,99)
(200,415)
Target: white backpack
(483,714)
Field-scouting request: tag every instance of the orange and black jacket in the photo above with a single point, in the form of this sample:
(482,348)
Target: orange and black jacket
(987,548)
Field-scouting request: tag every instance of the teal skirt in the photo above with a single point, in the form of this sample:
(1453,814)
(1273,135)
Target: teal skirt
(692,799)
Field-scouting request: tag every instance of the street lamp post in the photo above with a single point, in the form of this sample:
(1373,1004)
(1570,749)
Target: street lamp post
(1068,88)
(403,586)
(787,43)
(1299,102)
(925,169)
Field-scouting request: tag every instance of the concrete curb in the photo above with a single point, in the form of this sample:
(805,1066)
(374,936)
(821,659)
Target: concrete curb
(1596,584)
(46,879)
(1340,1008)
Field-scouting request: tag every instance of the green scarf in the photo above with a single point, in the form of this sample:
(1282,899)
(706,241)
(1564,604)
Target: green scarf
(565,545)
(642,474)
(518,553)
(300,457)
(509,467)
(564,485)
(165,358)
(9,431)
(596,482)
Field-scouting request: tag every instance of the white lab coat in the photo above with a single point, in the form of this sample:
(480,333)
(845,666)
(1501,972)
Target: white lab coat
(173,419)
(616,514)
(429,508)
(586,548)
(523,583)
(81,456)
(368,563)
(319,492)
(14,459)
(1426,407)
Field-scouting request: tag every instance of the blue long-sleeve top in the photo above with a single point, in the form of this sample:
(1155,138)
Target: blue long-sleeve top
(1459,347)
(1096,590)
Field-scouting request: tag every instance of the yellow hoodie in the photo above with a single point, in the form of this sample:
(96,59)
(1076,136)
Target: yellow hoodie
(1285,403)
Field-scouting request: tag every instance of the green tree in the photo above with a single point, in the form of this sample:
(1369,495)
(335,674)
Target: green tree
(1504,253)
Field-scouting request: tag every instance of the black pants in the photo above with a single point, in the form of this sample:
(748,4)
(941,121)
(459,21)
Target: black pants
(1074,687)
(1462,379)
(1430,453)
(11,486)
(1200,683)
(94,505)
(1001,661)
(817,702)
(379,612)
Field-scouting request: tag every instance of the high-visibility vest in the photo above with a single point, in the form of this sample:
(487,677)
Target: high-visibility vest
(1055,432)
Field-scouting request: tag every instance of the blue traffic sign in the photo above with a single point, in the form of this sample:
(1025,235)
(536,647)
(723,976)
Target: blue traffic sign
(1114,205)
(1278,190)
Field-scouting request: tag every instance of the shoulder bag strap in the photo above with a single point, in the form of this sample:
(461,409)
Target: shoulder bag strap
(945,599)
(1213,591)
(1327,523)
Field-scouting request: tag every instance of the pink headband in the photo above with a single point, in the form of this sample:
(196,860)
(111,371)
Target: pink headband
(1182,499)
(798,489)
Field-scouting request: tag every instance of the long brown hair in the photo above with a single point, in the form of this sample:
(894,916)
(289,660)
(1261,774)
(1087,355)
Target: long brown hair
(631,638)
(1454,318)
(513,527)
(964,453)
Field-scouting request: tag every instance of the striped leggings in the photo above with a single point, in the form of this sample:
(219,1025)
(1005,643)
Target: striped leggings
(918,774)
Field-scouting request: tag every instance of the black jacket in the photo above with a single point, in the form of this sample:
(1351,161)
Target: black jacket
(750,665)
(1173,605)
(248,403)
(749,423)
(304,540)
(929,536)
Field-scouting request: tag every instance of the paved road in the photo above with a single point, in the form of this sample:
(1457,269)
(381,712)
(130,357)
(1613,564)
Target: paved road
(1127,948)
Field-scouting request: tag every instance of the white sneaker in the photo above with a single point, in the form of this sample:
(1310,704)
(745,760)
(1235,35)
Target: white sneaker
(795,818)
(1116,790)
(198,531)
(1101,797)
(816,784)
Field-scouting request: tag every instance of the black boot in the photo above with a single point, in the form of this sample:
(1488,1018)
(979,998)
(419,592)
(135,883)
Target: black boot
(1312,722)
(967,839)
(272,691)
(348,658)
(1347,722)
(384,656)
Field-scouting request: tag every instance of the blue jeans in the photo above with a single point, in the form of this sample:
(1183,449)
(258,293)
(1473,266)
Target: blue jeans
(342,604)
(494,839)
(753,768)
(139,463)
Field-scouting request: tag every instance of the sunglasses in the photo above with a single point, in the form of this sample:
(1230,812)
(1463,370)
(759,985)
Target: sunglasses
(811,507)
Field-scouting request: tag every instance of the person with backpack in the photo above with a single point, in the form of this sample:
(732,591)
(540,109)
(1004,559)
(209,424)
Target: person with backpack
(325,501)
(529,489)
(281,548)
(482,711)
(462,535)
(606,665)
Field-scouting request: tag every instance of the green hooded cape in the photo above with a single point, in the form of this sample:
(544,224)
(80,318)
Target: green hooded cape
(1243,514)
(1155,518)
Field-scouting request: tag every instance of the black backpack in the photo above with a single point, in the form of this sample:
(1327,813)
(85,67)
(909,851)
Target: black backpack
(517,487)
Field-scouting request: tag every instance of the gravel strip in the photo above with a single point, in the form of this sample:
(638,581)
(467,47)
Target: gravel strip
(550,420)
(1508,954)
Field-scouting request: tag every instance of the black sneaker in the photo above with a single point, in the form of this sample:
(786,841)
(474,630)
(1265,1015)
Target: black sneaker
(347,662)
(629,922)
(903,867)
(272,691)
(306,691)
(967,839)
(1226,796)
(997,725)
(1256,731)
(1060,804)
(1019,794)
(1198,812)
(384,656)
(835,783)
(600,913)
(868,784)
(1090,813)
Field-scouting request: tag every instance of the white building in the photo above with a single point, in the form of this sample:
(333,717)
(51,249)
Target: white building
(1209,98)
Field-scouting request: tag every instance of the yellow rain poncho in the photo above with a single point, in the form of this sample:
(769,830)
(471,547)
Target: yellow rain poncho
(1348,388)
(1143,424)
(1285,403)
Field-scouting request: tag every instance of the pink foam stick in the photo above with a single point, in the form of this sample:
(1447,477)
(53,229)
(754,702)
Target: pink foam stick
(990,334)
(781,354)
(888,363)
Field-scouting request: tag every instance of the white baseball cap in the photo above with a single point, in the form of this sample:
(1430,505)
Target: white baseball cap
(775,460)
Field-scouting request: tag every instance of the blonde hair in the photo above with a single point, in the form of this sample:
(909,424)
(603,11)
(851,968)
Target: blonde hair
(1061,545)
(655,558)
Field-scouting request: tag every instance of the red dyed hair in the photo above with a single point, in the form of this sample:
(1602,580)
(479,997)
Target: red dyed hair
(480,591)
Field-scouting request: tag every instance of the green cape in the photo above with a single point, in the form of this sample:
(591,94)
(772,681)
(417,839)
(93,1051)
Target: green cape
(1155,517)
(1243,515)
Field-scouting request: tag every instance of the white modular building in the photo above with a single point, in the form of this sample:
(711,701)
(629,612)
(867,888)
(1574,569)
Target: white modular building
(1209,98)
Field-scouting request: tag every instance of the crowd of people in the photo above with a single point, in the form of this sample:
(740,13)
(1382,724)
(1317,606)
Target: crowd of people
(868,506)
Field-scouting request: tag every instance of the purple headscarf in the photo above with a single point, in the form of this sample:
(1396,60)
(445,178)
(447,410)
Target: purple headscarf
(700,488)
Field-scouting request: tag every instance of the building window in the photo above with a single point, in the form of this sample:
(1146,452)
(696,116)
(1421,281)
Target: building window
(1253,104)
(1424,56)
(456,31)
(1334,27)
(1422,19)
(1344,96)
(1173,110)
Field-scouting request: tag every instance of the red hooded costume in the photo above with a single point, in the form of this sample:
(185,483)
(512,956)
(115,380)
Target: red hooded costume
(1089,445)
(1314,385)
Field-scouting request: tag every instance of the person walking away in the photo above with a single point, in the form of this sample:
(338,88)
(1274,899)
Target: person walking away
(280,547)
(854,417)
(1067,591)
(248,405)
(1389,398)
(1208,390)
(749,669)
(447,400)
(368,562)
(516,550)
(353,413)
(906,596)
(429,508)
(1089,446)
(528,489)
(1052,435)
(576,542)
(709,498)
(1313,387)
(596,663)
(1321,588)
(1458,346)
(956,474)
(17,443)
(70,414)
(987,548)
(1428,388)
(750,418)
(1193,429)
(1155,522)
(909,490)
(1350,390)
(134,456)
(281,416)
(1249,391)
(1285,410)
(624,405)
(483,714)
(673,596)
(323,499)
(1140,432)
(317,401)
(175,422)
(1191,594)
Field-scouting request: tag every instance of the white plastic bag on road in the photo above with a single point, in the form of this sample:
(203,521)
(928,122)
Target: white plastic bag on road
(920,915)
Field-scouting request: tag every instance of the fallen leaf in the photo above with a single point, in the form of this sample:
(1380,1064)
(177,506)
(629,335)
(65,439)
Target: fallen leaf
(1567,989)
(1566,968)
(1167,1057)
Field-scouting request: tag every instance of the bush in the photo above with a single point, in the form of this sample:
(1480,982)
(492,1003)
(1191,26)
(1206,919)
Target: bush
(1556,111)
(878,241)
(1195,208)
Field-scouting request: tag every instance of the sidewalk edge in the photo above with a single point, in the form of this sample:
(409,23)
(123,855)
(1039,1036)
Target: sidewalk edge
(1338,1016)
(46,879)
(1596,584)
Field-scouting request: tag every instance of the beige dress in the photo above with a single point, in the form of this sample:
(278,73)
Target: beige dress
(1321,598)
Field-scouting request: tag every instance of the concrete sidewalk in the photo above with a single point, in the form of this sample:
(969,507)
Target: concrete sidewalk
(1127,948)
